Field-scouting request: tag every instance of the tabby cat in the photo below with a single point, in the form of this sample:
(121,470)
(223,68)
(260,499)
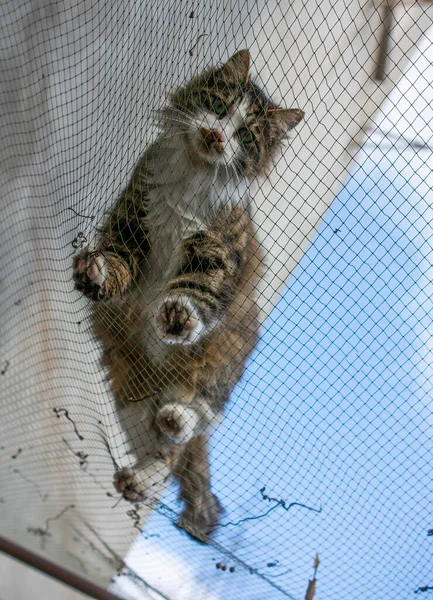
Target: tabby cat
(174,281)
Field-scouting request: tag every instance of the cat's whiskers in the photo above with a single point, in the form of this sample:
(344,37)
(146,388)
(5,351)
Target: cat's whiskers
(228,174)
(185,114)
(166,111)
(236,171)
(185,111)
(171,120)
(231,178)
(237,168)
(169,135)
(166,120)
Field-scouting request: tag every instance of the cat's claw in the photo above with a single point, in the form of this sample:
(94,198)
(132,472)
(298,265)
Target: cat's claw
(178,321)
(90,273)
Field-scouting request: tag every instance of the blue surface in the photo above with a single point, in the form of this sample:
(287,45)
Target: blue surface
(334,412)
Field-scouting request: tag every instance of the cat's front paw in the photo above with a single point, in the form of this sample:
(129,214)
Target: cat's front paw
(178,321)
(90,273)
(177,422)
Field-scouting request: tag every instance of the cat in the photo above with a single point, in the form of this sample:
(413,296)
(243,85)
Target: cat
(174,280)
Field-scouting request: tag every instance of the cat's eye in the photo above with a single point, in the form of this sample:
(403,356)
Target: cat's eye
(219,107)
(245,135)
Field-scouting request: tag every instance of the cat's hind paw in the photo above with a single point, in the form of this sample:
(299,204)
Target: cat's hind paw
(178,321)
(90,273)
(200,519)
(177,422)
(129,485)
(143,483)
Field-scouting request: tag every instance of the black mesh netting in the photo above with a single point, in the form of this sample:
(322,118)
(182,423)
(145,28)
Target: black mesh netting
(326,443)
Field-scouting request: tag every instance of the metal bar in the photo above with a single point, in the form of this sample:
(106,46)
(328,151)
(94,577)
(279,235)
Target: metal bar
(387,21)
(56,571)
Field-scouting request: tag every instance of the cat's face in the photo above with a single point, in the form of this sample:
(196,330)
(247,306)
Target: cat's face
(225,119)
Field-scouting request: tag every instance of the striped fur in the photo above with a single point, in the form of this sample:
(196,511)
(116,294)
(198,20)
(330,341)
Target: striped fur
(175,275)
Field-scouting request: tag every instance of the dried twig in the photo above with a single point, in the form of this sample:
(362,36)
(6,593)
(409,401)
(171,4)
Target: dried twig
(133,514)
(275,575)
(152,395)
(316,564)
(116,466)
(285,505)
(83,457)
(91,217)
(192,49)
(276,563)
(79,240)
(311,589)
(58,411)
(5,368)
(44,531)
(265,514)
(42,496)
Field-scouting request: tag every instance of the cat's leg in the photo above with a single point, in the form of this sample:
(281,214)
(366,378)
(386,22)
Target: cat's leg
(198,296)
(202,508)
(142,467)
(107,270)
(100,275)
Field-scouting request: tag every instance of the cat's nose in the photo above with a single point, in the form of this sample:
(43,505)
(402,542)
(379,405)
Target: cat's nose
(213,138)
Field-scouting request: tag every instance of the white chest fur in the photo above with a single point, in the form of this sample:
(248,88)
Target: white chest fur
(181,200)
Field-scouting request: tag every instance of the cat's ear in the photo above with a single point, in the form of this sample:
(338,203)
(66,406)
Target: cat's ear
(237,68)
(287,118)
